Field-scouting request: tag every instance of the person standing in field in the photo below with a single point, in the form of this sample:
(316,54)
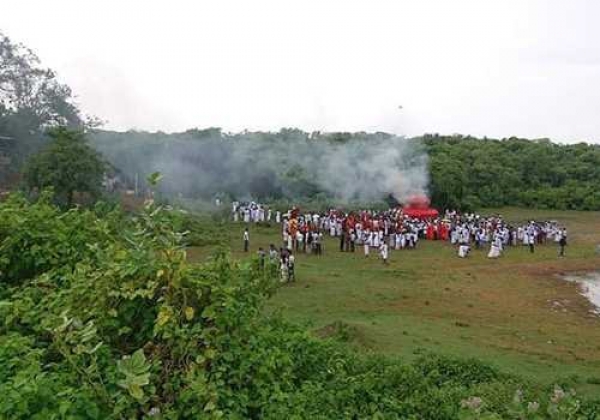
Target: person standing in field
(284,271)
(383,249)
(261,258)
(463,250)
(562,242)
(530,235)
(246,240)
(367,243)
(495,248)
(531,243)
(290,265)
(319,240)
(273,254)
(235,209)
(375,239)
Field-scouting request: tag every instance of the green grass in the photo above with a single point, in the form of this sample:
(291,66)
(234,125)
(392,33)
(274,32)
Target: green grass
(500,311)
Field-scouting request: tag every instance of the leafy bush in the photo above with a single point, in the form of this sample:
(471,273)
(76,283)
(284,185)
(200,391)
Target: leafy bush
(35,238)
(203,231)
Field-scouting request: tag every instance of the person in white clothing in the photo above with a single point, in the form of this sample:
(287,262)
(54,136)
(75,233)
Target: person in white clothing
(284,271)
(383,249)
(246,240)
(375,236)
(495,248)
(367,243)
(463,250)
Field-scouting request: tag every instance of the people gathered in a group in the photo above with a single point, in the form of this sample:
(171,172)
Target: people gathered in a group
(497,234)
(384,231)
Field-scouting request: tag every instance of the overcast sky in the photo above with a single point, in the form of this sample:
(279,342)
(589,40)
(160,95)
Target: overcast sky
(495,68)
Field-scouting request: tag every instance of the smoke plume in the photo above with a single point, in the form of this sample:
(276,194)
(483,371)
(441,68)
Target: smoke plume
(290,163)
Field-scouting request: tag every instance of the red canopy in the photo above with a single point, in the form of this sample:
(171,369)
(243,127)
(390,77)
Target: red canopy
(417,207)
(425,213)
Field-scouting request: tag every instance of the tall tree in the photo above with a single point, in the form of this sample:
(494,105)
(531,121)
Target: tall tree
(31,100)
(68,165)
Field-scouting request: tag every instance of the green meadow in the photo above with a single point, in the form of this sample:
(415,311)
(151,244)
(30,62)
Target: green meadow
(515,313)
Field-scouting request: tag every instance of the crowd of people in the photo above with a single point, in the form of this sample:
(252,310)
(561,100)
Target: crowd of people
(252,212)
(283,258)
(384,231)
(495,232)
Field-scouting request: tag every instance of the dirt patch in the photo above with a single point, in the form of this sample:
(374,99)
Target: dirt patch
(559,268)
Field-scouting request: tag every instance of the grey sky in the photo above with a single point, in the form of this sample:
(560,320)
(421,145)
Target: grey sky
(495,68)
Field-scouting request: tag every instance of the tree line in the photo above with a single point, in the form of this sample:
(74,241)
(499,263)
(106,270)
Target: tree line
(467,172)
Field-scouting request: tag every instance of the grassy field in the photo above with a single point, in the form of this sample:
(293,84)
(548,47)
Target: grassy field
(514,312)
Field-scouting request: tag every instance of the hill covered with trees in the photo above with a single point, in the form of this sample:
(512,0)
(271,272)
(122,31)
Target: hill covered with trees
(472,172)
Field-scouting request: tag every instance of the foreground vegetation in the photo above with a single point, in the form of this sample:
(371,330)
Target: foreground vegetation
(104,317)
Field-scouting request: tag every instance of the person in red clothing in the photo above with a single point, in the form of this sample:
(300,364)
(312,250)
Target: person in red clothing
(443,231)
(429,232)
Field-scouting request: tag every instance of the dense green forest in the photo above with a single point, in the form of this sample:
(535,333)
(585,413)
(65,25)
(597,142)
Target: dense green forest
(471,172)
(103,317)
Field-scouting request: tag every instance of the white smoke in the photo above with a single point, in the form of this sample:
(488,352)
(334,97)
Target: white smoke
(362,167)
(369,169)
